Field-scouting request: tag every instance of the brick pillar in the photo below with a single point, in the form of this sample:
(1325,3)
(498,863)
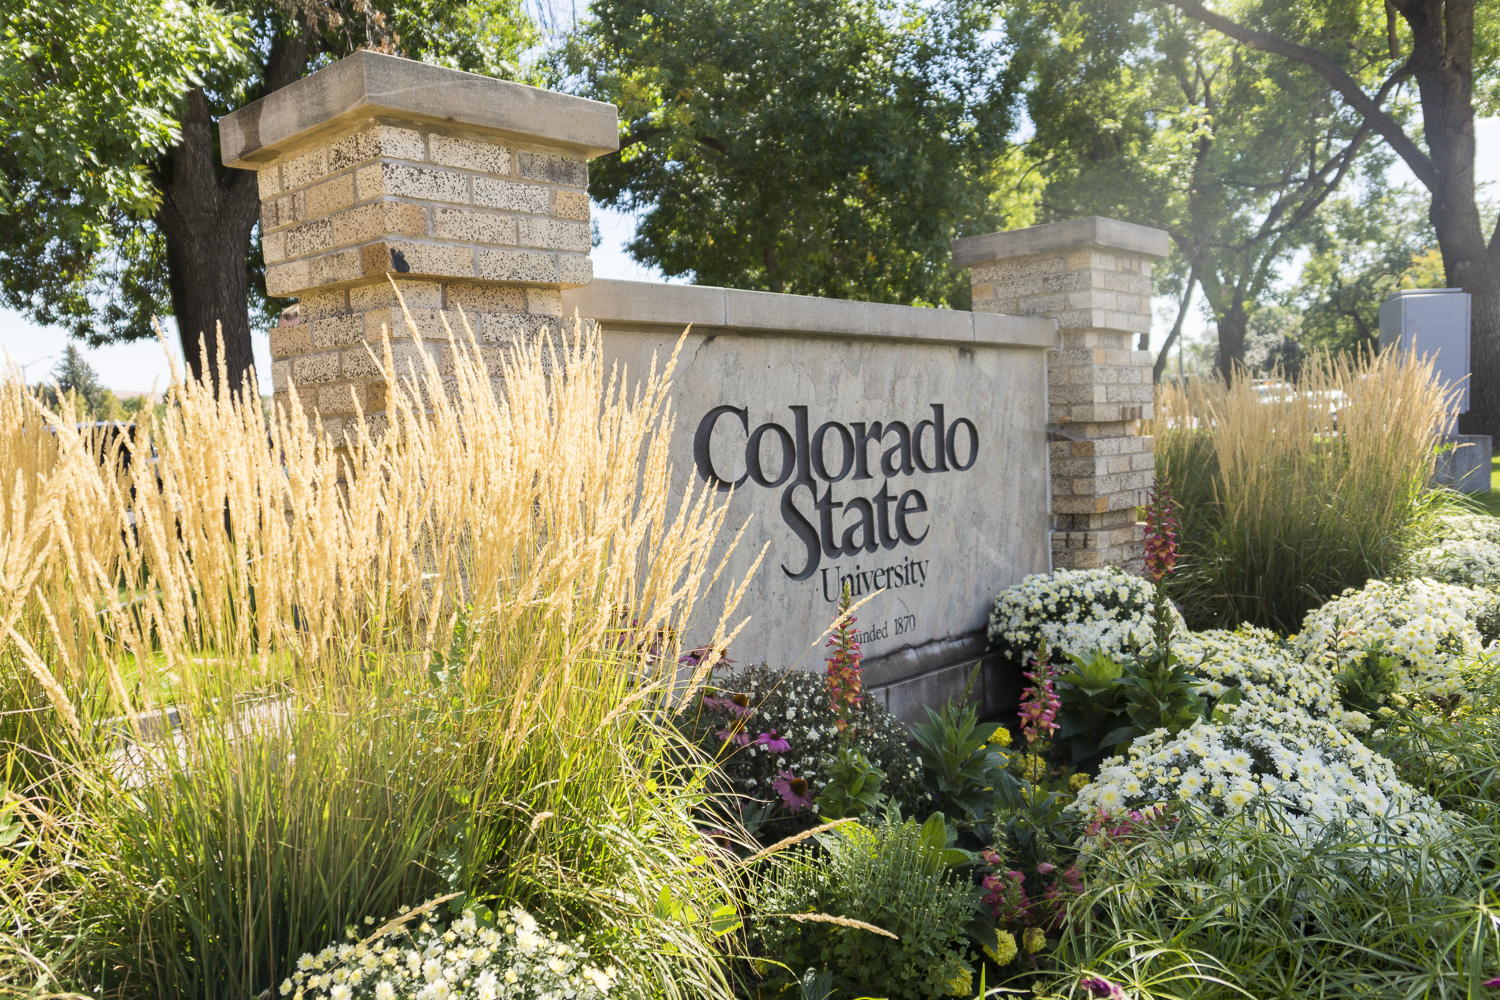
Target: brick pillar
(471,192)
(1093,276)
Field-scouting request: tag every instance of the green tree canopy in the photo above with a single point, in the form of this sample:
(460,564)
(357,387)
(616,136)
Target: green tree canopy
(825,147)
(1143,114)
(119,209)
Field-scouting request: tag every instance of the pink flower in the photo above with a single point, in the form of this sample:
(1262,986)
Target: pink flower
(1101,989)
(793,790)
(1161,532)
(1039,701)
(773,743)
(844,684)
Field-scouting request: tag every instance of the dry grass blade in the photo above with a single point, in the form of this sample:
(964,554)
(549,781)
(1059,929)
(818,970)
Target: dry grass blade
(828,918)
(797,838)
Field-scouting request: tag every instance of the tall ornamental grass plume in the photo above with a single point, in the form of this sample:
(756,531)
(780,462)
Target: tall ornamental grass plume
(1288,493)
(260,686)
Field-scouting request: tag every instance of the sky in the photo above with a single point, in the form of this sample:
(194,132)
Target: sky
(134,368)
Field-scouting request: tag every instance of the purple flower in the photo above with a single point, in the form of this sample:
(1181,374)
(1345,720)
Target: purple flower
(1101,988)
(1492,982)
(793,790)
(734,734)
(773,743)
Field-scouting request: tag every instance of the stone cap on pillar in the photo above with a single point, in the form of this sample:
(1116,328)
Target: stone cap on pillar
(369,85)
(1093,232)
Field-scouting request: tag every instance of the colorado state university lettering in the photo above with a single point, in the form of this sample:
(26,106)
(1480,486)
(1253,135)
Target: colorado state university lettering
(833,453)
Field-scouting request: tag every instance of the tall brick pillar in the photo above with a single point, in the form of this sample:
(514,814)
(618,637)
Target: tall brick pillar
(470,192)
(1093,276)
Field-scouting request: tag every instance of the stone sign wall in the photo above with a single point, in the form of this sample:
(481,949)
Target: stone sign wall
(901,452)
(928,457)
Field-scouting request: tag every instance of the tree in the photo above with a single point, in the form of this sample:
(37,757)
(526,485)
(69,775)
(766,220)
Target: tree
(1141,114)
(176,231)
(75,380)
(1360,252)
(1451,49)
(825,147)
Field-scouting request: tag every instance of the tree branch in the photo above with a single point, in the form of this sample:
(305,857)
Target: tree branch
(1346,85)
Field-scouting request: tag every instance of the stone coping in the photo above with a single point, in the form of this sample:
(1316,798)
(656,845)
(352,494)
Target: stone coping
(368,85)
(649,303)
(1089,233)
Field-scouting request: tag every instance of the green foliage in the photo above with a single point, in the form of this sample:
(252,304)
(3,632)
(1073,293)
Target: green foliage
(1160,693)
(887,876)
(75,377)
(826,147)
(1093,705)
(1366,683)
(1143,114)
(91,101)
(963,767)
(851,786)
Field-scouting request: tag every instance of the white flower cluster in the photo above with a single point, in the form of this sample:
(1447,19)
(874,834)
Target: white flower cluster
(1430,626)
(1468,562)
(464,961)
(1309,770)
(1463,527)
(1075,611)
(1266,671)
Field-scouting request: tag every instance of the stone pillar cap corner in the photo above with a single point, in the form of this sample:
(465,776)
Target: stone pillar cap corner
(367,85)
(1089,232)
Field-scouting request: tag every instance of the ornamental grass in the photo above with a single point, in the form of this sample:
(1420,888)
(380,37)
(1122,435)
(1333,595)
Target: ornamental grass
(266,685)
(1289,496)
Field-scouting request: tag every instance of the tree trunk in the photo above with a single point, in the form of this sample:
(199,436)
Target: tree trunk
(1233,324)
(1182,308)
(207,215)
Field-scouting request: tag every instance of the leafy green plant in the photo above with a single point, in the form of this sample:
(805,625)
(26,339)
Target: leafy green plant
(889,877)
(963,765)
(1367,682)
(1094,705)
(851,786)
(1160,693)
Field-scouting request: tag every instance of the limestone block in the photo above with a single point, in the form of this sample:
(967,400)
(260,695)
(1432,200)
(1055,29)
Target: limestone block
(289,340)
(329,196)
(555,234)
(400,180)
(381,218)
(303,170)
(510,196)
(337,331)
(476,299)
(343,265)
(544,301)
(467,154)
(377,140)
(309,238)
(469,226)
(428,259)
(520,266)
(269,179)
(570,204)
(416,295)
(574,272)
(316,368)
(569,170)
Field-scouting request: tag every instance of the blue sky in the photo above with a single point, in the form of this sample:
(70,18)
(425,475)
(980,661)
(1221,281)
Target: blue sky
(134,368)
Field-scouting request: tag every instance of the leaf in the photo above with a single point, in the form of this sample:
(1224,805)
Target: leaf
(725,920)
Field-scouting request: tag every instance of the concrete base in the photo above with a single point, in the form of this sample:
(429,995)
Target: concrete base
(909,681)
(1466,466)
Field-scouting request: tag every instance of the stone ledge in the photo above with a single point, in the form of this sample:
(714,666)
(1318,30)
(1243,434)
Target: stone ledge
(1093,231)
(645,303)
(367,85)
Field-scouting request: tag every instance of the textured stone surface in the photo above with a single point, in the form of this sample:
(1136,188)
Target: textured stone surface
(369,84)
(982,529)
(1093,277)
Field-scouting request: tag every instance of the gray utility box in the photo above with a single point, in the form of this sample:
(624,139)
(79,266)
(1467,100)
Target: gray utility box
(1434,323)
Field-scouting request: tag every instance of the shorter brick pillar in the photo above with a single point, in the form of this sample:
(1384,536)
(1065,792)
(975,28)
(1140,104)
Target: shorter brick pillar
(1093,276)
(471,192)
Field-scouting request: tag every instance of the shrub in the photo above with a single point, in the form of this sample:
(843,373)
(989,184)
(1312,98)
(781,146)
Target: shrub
(350,745)
(512,957)
(796,706)
(1306,771)
(1290,498)
(886,877)
(1430,627)
(1266,670)
(1074,611)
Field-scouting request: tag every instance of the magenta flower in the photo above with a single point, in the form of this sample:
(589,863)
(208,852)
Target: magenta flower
(1039,701)
(773,743)
(734,734)
(1101,989)
(1161,532)
(794,791)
